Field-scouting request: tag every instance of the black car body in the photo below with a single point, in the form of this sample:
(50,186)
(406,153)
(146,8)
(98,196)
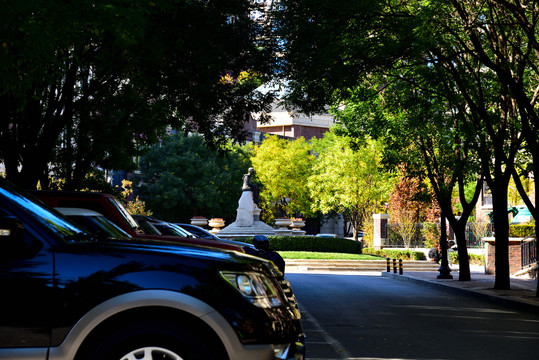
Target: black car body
(159,227)
(198,231)
(67,296)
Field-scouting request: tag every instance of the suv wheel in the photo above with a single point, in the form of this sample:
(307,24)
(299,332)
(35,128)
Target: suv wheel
(153,340)
(151,353)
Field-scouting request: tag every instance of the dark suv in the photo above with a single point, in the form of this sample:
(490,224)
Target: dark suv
(65,296)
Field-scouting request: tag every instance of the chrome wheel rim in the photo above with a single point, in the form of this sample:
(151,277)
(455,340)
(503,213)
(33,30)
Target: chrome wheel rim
(151,353)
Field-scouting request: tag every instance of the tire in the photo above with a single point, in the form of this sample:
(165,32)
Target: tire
(154,340)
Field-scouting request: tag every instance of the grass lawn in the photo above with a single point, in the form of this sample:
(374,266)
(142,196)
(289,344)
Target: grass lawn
(327,256)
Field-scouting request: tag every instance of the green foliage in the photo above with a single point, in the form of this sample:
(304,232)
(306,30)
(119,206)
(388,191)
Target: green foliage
(311,243)
(474,259)
(283,168)
(133,204)
(430,233)
(397,254)
(326,256)
(522,231)
(89,85)
(95,180)
(183,177)
(347,178)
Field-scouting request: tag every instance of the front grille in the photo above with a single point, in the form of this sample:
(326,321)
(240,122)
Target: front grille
(287,290)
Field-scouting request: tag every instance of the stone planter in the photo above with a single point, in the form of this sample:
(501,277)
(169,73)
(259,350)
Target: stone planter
(216,225)
(282,223)
(296,226)
(199,221)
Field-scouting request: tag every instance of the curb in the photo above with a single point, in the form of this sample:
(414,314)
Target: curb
(511,301)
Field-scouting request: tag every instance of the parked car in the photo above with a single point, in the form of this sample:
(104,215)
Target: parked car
(68,296)
(260,246)
(154,226)
(93,222)
(113,209)
(326,235)
(198,231)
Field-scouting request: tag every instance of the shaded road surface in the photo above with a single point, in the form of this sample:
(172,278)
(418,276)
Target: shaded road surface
(351,316)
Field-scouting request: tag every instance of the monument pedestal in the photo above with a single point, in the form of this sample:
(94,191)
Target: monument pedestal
(237,231)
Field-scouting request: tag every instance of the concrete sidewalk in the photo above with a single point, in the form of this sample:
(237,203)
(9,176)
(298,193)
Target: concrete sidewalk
(522,294)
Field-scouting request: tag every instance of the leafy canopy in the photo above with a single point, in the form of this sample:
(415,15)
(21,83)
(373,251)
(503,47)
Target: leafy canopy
(283,167)
(183,177)
(349,179)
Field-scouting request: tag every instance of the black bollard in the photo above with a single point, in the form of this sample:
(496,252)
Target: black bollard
(394,266)
(388,260)
(400,267)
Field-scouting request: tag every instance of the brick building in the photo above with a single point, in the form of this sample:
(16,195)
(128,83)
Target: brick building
(295,125)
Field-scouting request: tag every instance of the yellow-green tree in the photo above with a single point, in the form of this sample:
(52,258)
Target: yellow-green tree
(134,205)
(349,180)
(282,168)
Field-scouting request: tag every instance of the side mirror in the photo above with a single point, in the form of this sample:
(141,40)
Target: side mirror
(11,228)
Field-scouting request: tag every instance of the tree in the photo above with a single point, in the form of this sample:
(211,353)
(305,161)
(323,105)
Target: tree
(283,167)
(472,63)
(182,177)
(347,178)
(90,85)
(132,203)
(467,34)
(405,207)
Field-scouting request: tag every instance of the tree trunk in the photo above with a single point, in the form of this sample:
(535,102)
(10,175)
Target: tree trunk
(501,228)
(464,263)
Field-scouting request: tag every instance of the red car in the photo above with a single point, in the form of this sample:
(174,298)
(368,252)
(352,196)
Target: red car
(113,209)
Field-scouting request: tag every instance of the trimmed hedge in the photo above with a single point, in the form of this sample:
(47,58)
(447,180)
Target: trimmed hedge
(521,231)
(403,254)
(473,259)
(311,243)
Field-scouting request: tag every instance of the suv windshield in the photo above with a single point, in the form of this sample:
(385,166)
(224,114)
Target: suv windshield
(42,214)
(121,209)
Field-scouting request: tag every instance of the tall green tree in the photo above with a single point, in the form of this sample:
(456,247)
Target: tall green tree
(88,84)
(427,133)
(349,179)
(488,105)
(183,177)
(283,167)
(460,54)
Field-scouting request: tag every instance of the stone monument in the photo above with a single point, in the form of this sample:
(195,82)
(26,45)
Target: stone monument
(247,222)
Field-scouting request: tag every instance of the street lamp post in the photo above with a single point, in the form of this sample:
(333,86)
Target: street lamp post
(444,268)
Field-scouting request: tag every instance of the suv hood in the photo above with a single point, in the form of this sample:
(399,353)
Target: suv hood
(211,256)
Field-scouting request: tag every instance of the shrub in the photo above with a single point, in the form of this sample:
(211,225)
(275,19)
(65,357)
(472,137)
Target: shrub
(474,259)
(404,254)
(311,243)
(523,230)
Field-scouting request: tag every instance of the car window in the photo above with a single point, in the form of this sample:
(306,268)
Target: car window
(42,214)
(122,210)
(166,229)
(99,225)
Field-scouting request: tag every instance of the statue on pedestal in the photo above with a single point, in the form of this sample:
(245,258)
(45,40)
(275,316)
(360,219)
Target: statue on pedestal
(249,186)
(247,222)
(248,201)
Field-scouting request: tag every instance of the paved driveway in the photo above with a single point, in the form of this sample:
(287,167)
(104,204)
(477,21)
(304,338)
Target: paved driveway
(351,316)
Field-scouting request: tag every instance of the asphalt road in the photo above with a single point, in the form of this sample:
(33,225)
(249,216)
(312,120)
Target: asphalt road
(351,316)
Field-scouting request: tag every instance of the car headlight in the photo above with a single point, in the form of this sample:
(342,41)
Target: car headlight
(257,288)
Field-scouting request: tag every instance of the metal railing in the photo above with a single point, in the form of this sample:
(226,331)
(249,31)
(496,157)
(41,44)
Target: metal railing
(417,240)
(529,252)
